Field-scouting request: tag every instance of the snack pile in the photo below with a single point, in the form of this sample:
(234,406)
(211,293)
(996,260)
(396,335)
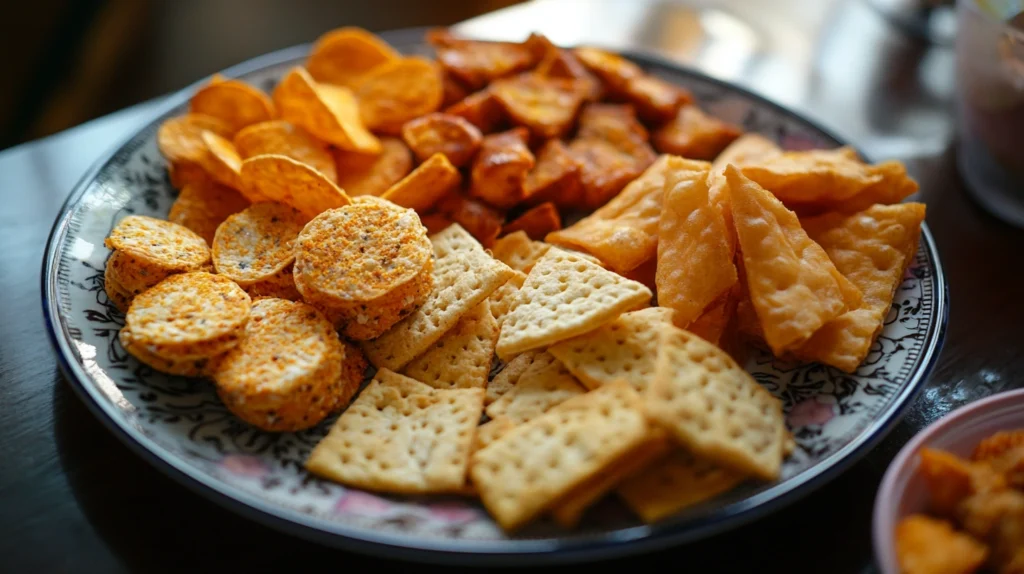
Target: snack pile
(975,521)
(407,213)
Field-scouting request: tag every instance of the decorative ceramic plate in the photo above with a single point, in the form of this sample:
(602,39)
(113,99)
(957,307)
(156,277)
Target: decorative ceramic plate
(180,425)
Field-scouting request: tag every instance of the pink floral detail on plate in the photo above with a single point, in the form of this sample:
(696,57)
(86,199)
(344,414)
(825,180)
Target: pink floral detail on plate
(244,465)
(452,512)
(810,412)
(361,503)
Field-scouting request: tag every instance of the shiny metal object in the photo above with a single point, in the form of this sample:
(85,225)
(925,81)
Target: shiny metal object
(841,62)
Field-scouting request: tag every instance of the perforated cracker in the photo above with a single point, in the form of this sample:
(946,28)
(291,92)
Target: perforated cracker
(285,375)
(872,249)
(464,275)
(491,431)
(257,243)
(677,481)
(167,245)
(329,112)
(187,315)
(282,179)
(528,470)
(279,137)
(509,375)
(401,436)
(425,185)
(504,298)
(695,260)
(461,359)
(518,251)
(368,174)
(565,296)
(713,407)
(792,283)
(543,385)
(202,207)
(624,349)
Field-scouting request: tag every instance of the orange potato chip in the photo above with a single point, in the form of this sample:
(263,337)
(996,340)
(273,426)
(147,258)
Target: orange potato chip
(452,136)
(656,100)
(202,207)
(279,137)
(234,102)
(695,261)
(295,184)
(476,63)
(872,249)
(184,173)
(792,283)
(479,219)
(559,63)
(926,545)
(693,134)
(222,161)
(614,70)
(426,185)
(344,55)
(624,232)
(435,222)
(813,175)
(500,168)
(612,149)
(555,177)
(480,109)
(365,174)
(545,105)
(180,139)
(398,91)
(537,222)
(329,112)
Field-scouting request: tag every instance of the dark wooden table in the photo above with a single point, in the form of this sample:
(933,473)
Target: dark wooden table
(74,499)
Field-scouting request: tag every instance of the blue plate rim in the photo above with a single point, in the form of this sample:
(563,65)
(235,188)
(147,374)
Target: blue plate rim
(502,552)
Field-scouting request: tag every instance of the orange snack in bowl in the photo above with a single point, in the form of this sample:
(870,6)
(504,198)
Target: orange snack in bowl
(500,168)
(426,185)
(398,91)
(476,63)
(480,109)
(537,221)
(234,102)
(453,136)
(345,55)
(282,138)
(545,105)
(693,134)
(369,174)
(482,221)
(329,112)
(611,146)
(925,545)
(555,177)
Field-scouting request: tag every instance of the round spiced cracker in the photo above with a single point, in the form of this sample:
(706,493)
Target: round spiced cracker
(188,315)
(188,367)
(165,245)
(285,375)
(281,286)
(132,274)
(257,244)
(116,292)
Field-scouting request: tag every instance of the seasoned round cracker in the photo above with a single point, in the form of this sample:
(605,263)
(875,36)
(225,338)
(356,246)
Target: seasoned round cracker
(342,56)
(281,286)
(192,367)
(279,137)
(257,243)
(184,173)
(189,315)
(167,245)
(280,178)
(285,375)
(116,292)
(203,207)
(398,91)
(353,372)
(360,252)
(234,102)
(180,138)
(132,274)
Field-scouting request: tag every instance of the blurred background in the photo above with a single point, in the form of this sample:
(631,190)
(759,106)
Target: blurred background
(68,61)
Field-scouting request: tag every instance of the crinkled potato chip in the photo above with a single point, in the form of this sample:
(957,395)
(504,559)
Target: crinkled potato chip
(426,185)
(872,249)
(482,221)
(694,134)
(656,100)
(555,177)
(222,161)
(480,109)
(537,221)
(180,138)
(695,260)
(624,232)
(475,62)
(500,168)
(614,70)
(279,137)
(282,179)
(814,175)
(204,206)
(612,149)
(399,91)
(545,105)
(450,135)
(345,55)
(366,174)
(329,112)
(792,283)
(234,102)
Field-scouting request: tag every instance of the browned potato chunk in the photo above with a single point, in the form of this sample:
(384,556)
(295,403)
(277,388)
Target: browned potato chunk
(446,134)
(656,100)
(481,220)
(480,109)
(476,63)
(536,222)
(694,135)
(547,106)
(501,167)
(612,149)
(555,177)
